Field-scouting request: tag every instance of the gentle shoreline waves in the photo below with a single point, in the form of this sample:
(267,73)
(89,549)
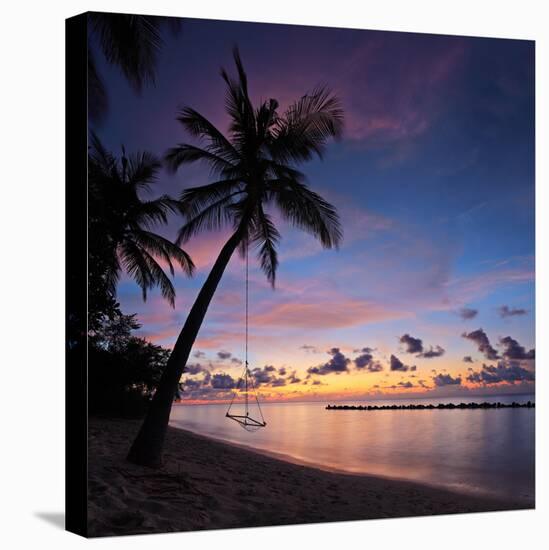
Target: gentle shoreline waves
(486,451)
(206,484)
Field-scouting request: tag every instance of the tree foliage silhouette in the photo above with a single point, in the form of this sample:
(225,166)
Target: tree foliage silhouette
(129,42)
(120,225)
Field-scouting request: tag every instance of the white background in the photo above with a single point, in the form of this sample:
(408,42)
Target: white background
(32,272)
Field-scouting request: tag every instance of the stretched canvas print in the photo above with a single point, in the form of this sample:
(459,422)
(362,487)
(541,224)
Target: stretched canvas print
(300,274)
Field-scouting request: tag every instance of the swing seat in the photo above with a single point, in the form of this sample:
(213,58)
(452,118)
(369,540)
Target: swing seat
(244,418)
(246,421)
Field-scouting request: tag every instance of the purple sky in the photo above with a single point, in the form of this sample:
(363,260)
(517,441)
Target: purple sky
(434,182)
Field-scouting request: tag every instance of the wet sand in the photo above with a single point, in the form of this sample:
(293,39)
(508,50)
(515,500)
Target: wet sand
(206,484)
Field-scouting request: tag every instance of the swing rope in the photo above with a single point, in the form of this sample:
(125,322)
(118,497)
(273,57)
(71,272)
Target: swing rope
(245,420)
(247,299)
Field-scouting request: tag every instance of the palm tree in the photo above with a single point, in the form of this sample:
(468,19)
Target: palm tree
(120,235)
(255,167)
(129,42)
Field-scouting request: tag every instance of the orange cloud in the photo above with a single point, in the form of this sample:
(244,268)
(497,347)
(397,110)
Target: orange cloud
(337,313)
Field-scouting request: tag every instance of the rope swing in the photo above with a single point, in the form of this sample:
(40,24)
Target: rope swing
(246,386)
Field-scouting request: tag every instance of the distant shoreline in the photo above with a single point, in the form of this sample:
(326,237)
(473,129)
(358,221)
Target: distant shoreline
(188,402)
(431,407)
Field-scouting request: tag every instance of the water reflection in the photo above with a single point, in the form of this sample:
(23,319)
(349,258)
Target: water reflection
(485,451)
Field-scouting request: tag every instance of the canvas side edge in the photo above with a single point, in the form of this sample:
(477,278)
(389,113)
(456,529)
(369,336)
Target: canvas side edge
(76,421)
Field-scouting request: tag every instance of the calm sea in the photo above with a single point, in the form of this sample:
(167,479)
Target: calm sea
(488,452)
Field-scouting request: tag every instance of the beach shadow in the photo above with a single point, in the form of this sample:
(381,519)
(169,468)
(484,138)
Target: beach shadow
(57,519)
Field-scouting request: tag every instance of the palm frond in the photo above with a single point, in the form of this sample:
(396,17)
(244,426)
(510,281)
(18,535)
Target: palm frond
(130,42)
(149,213)
(308,211)
(112,271)
(99,155)
(199,126)
(266,236)
(266,116)
(103,172)
(212,217)
(242,77)
(142,170)
(306,127)
(195,199)
(283,172)
(238,104)
(165,249)
(145,270)
(159,278)
(136,266)
(187,154)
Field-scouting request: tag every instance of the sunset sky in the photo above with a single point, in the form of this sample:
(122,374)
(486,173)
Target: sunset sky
(432,291)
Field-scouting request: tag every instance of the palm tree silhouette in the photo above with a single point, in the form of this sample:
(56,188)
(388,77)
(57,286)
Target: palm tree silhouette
(130,42)
(120,235)
(255,167)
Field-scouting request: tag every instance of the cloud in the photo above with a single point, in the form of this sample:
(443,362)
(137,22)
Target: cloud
(220,386)
(437,351)
(338,364)
(401,106)
(223,381)
(413,345)
(199,354)
(506,311)
(262,375)
(483,343)
(191,384)
(194,368)
(446,380)
(310,349)
(267,376)
(406,384)
(468,359)
(375,366)
(467,313)
(508,373)
(480,284)
(293,378)
(214,339)
(223,355)
(339,312)
(397,365)
(366,361)
(513,350)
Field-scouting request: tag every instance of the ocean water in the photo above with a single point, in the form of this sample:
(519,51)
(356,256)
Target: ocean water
(487,452)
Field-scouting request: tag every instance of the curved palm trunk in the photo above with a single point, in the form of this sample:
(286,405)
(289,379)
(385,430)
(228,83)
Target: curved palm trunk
(147,447)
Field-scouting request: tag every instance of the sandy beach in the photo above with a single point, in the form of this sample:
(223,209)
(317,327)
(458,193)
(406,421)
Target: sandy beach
(206,484)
